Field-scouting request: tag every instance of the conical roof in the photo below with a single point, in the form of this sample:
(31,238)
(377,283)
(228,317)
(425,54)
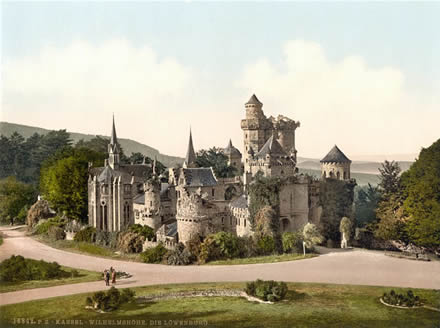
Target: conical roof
(271,147)
(190,158)
(335,155)
(113,138)
(231,150)
(254,101)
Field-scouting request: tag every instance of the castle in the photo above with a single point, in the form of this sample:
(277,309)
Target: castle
(194,202)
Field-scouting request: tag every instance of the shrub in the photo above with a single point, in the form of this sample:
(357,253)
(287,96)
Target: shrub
(154,254)
(74,273)
(292,242)
(56,233)
(408,300)
(43,226)
(17,268)
(193,245)
(228,244)
(268,290)
(311,235)
(266,245)
(209,251)
(107,238)
(145,231)
(130,242)
(111,300)
(40,210)
(87,235)
(180,256)
(248,246)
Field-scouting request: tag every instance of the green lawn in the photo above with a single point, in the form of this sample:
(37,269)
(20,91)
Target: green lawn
(83,276)
(263,259)
(306,305)
(87,249)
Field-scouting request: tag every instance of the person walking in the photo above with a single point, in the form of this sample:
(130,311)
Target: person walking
(107,277)
(113,276)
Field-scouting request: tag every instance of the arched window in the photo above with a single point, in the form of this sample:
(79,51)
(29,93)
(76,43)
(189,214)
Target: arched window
(345,175)
(338,175)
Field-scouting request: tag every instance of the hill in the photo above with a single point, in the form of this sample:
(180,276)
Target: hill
(129,146)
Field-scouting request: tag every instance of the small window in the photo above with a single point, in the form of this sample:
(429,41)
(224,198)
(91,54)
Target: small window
(213,192)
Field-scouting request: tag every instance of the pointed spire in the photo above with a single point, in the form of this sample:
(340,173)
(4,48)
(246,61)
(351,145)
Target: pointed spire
(230,144)
(190,159)
(113,138)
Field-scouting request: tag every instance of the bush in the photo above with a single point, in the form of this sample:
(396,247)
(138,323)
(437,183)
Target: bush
(43,226)
(292,242)
(408,300)
(268,290)
(193,245)
(248,246)
(111,300)
(40,210)
(107,239)
(145,231)
(311,235)
(56,233)
(266,245)
(180,256)
(87,235)
(130,242)
(154,254)
(209,251)
(17,268)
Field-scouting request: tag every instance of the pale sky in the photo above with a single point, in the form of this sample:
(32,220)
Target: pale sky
(364,76)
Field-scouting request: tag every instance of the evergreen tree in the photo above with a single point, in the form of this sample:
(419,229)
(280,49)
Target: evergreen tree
(215,158)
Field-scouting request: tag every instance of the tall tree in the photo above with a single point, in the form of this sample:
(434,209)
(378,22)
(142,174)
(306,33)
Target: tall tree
(366,201)
(389,178)
(14,196)
(421,189)
(64,180)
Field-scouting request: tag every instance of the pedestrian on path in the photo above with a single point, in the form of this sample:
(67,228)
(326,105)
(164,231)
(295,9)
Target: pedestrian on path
(107,277)
(113,276)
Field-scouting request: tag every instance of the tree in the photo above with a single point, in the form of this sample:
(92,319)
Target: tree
(389,178)
(215,158)
(336,198)
(14,196)
(421,193)
(64,180)
(312,235)
(366,201)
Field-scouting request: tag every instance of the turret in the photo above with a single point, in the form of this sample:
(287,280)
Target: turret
(256,128)
(335,165)
(234,156)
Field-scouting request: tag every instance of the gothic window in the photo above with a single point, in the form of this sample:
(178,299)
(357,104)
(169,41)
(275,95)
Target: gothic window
(345,175)
(245,223)
(127,188)
(104,189)
(213,192)
(338,175)
(126,213)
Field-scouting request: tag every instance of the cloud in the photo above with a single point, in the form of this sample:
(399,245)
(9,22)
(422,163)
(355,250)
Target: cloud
(363,109)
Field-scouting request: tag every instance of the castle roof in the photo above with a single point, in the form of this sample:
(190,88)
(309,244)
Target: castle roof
(254,101)
(231,150)
(199,177)
(240,202)
(190,158)
(271,147)
(124,171)
(335,155)
(113,145)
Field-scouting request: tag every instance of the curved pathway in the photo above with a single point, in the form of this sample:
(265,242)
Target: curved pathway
(357,267)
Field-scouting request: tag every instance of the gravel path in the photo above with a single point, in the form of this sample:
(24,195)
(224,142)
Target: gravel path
(357,267)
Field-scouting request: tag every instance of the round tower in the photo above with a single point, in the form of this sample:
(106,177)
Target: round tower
(335,165)
(152,204)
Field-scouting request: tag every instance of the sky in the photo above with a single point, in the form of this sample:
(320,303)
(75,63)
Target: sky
(364,76)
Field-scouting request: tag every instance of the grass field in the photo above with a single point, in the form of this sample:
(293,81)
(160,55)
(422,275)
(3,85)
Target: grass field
(306,305)
(83,276)
(263,259)
(87,249)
